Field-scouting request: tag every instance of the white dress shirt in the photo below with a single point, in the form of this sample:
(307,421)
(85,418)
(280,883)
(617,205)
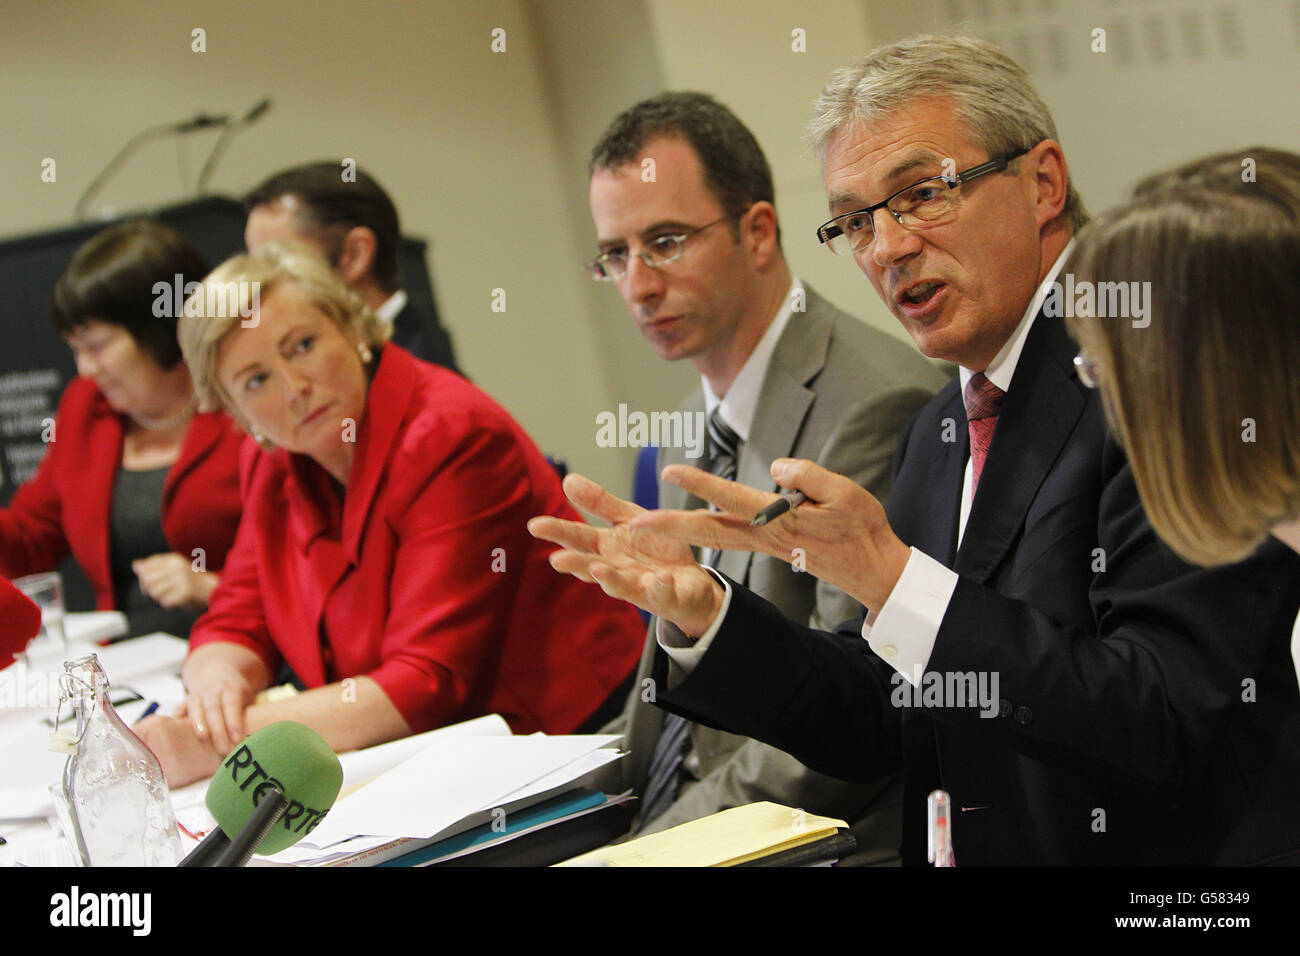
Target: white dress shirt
(741,400)
(1295,647)
(388,310)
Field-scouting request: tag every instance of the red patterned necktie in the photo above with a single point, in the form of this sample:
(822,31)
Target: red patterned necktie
(983,401)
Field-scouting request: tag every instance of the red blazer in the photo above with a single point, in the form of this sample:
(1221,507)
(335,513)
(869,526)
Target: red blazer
(424,577)
(20,621)
(65,506)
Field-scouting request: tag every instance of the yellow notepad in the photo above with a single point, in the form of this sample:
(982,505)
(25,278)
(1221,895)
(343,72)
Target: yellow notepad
(724,839)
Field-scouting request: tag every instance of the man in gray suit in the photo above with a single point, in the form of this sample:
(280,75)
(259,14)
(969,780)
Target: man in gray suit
(682,199)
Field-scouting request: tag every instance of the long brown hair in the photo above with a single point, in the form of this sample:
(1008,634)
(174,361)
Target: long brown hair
(1205,396)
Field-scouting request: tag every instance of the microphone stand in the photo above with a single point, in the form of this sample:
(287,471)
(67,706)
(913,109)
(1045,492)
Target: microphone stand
(202,121)
(219,850)
(219,147)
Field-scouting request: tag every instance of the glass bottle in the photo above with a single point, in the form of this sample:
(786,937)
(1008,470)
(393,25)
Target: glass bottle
(112,800)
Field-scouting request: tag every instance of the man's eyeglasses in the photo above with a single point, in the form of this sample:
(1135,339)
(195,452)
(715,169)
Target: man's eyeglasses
(929,202)
(657,252)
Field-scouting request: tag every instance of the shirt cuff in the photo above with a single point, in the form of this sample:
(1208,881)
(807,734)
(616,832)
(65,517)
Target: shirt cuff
(903,632)
(687,651)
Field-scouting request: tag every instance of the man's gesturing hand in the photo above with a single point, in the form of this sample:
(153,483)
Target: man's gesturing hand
(643,567)
(840,534)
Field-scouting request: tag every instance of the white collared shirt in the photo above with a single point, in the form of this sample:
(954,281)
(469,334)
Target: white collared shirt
(741,400)
(1295,646)
(1003,367)
(390,308)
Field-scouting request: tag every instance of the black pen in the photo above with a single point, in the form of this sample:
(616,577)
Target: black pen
(788,500)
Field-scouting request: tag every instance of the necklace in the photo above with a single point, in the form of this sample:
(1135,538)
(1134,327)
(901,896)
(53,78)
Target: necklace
(166,424)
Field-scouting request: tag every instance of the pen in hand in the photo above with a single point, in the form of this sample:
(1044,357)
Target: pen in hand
(788,500)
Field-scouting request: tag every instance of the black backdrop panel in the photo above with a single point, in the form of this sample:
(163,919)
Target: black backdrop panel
(35,364)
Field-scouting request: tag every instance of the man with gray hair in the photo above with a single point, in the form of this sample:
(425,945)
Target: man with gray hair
(1142,713)
(682,200)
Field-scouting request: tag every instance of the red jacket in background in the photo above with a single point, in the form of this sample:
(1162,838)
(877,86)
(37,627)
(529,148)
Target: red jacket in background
(425,577)
(20,621)
(65,506)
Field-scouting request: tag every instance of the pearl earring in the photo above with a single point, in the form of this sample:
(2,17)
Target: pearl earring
(364,351)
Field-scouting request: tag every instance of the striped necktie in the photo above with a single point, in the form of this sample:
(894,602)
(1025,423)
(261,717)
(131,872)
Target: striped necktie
(724,446)
(664,775)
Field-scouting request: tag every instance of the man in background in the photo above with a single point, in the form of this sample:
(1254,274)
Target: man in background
(1083,696)
(354,225)
(683,204)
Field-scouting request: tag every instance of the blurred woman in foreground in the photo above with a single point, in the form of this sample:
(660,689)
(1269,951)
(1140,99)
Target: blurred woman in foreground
(139,486)
(1206,398)
(383,552)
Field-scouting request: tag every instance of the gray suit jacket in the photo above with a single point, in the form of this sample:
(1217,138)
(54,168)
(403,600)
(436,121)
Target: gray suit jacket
(839,393)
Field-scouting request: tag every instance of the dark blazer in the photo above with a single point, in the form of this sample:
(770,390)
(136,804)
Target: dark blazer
(420,334)
(1148,711)
(424,576)
(840,393)
(66,504)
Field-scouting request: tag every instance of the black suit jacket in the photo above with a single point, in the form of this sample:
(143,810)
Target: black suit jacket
(420,334)
(1148,711)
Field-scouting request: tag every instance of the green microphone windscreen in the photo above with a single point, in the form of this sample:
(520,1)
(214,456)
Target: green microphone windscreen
(284,756)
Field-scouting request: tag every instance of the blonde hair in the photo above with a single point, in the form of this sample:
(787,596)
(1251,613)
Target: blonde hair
(1206,398)
(992,94)
(229,294)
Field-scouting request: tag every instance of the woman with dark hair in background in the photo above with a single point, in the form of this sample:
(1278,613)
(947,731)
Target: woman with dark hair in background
(141,488)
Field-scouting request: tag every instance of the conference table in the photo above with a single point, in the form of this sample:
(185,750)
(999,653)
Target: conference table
(482,771)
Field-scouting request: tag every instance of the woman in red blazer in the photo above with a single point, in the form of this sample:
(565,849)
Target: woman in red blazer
(383,552)
(124,423)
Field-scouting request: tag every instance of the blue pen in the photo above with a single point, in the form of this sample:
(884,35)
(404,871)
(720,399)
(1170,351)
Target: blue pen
(153,705)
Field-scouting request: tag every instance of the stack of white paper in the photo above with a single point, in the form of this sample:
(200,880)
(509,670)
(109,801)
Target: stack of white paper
(442,783)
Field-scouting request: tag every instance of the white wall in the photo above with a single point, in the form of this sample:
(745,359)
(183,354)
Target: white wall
(462,137)
(1178,79)
(744,53)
